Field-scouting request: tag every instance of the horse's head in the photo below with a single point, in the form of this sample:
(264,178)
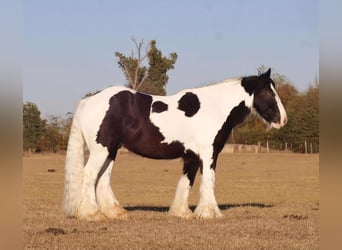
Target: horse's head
(266,102)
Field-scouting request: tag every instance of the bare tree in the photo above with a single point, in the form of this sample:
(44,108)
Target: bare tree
(132,67)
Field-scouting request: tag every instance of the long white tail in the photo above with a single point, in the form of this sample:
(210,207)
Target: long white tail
(74,166)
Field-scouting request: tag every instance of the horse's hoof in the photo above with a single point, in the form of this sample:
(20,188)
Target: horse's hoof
(208,213)
(185,214)
(97,216)
(117,213)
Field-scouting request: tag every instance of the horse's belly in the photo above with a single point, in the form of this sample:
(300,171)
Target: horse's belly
(156,150)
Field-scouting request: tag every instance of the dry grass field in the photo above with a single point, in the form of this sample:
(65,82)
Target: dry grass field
(269,201)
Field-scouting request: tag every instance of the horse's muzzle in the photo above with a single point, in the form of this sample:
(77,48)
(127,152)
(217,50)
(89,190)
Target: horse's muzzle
(280,124)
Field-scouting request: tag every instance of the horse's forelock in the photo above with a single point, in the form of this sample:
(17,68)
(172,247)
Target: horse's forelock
(254,84)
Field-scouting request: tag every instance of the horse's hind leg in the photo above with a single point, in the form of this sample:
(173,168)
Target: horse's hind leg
(108,204)
(180,207)
(88,208)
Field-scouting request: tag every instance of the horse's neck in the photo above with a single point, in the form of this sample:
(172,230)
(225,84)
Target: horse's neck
(228,95)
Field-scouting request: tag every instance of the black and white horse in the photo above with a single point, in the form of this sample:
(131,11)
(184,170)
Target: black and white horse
(193,124)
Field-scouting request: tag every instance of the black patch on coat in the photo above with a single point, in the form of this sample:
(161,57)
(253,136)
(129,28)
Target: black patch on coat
(236,116)
(127,123)
(189,103)
(191,164)
(159,107)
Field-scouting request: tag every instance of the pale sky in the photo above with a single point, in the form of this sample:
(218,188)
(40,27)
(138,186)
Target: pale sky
(69,45)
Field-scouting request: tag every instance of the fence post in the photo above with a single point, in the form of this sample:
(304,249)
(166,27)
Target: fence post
(306,147)
(267,146)
(311,149)
(285,146)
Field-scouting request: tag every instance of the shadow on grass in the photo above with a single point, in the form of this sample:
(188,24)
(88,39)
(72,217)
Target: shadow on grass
(221,206)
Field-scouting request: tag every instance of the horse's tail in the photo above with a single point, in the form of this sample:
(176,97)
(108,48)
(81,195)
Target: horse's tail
(74,166)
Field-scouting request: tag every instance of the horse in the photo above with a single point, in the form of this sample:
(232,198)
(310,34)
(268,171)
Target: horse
(193,124)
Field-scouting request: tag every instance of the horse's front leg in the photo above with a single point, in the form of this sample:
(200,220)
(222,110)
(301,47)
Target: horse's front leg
(179,206)
(207,207)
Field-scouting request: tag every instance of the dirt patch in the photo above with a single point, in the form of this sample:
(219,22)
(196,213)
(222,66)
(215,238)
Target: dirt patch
(269,201)
(55,230)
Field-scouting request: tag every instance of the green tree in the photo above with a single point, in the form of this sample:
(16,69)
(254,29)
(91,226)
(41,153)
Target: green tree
(303,120)
(49,134)
(33,127)
(159,65)
(151,79)
(56,135)
(52,139)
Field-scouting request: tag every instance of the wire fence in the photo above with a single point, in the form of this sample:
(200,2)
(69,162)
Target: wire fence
(305,147)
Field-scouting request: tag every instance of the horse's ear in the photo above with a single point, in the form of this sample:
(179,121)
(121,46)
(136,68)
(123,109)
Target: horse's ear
(263,80)
(267,74)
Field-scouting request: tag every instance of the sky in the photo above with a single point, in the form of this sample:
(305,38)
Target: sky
(69,46)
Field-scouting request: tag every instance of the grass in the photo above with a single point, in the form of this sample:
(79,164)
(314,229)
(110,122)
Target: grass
(269,201)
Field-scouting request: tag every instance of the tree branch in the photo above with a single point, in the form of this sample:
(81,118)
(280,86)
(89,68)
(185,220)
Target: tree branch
(138,46)
(142,80)
(129,76)
(140,58)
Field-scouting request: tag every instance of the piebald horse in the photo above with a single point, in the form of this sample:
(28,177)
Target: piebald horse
(193,124)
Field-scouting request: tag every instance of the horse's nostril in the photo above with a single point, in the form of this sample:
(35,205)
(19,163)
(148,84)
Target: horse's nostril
(285,120)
